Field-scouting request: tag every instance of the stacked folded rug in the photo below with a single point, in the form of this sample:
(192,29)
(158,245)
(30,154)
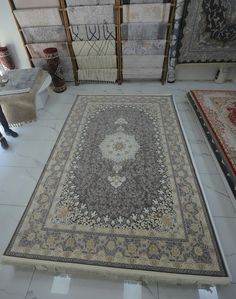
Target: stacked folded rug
(42,27)
(93,34)
(144,38)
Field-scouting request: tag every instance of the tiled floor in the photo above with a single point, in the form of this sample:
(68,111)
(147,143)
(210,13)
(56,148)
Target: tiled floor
(20,168)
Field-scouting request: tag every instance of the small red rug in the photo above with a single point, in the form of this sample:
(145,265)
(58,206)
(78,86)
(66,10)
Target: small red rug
(216,111)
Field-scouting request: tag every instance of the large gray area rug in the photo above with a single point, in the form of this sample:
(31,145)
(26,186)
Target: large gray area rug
(119,196)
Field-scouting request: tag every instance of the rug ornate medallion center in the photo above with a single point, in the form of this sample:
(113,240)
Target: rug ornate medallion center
(119,194)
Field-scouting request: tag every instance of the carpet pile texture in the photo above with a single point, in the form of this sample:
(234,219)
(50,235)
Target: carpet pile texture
(119,195)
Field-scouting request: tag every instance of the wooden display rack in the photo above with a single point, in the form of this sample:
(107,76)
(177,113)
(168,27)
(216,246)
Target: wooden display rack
(12,5)
(66,23)
(168,41)
(118,14)
(118,20)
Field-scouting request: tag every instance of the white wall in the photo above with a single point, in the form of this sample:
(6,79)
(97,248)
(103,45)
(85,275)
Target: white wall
(10,37)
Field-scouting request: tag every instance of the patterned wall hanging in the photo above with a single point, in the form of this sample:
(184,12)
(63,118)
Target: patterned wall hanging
(44,34)
(96,62)
(107,75)
(143,31)
(143,1)
(38,17)
(91,14)
(93,32)
(35,4)
(146,12)
(92,56)
(142,61)
(88,2)
(94,39)
(143,47)
(209,31)
(94,48)
(145,73)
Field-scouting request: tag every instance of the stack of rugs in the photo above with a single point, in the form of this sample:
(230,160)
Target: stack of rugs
(42,27)
(144,38)
(94,38)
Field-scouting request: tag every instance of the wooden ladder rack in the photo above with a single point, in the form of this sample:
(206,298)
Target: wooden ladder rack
(118,8)
(168,41)
(12,5)
(66,23)
(118,14)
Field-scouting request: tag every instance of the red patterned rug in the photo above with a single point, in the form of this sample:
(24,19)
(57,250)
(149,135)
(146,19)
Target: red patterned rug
(216,111)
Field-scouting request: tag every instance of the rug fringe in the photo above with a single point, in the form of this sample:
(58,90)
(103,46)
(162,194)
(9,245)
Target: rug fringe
(116,273)
(20,124)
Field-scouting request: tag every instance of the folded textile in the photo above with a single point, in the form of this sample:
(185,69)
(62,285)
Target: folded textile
(93,32)
(35,3)
(94,48)
(96,62)
(143,31)
(91,14)
(38,17)
(108,75)
(155,12)
(143,47)
(44,34)
(142,73)
(143,1)
(88,2)
(143,61)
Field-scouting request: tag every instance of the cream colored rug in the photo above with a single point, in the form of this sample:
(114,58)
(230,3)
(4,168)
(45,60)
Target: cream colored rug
(99,75)
(94,48)
(96,62)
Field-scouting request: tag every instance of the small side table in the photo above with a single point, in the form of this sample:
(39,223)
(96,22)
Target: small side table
(25,92)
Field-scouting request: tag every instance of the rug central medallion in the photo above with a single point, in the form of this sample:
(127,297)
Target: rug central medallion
(119,147)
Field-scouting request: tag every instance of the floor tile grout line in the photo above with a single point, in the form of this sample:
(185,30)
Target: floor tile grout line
(158,292)
(24,167)
(30,282)
(230,217)
(12,205)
